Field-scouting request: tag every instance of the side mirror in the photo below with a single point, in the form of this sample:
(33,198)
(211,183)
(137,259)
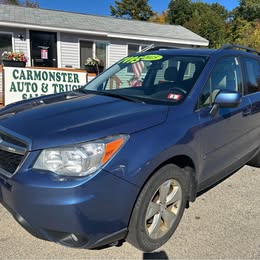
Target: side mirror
(226,99)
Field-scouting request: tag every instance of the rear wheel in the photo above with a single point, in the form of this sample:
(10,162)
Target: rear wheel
(158,209)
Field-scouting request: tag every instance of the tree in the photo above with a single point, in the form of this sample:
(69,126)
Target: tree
(11,2)
(245,33)
(244,28)
(132,9)
(250,35)
(208,23)
(30,3)
(216,24)
(27,3)
(249,10)
(179,11)
(159,18)
(220,10)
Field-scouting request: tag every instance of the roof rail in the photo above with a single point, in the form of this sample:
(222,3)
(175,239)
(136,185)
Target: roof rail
(147,48)
(237,46)
(152,47)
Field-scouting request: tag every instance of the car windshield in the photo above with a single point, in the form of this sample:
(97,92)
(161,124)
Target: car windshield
(149,78)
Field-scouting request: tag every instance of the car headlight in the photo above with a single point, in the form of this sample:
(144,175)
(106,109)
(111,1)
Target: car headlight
(80,159)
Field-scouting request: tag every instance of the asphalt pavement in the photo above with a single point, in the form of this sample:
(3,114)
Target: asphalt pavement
(223,223)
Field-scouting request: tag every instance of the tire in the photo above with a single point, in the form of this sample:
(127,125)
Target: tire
(255,162)
(158,209)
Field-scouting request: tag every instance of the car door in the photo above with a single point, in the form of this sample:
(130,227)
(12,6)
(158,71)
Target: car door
(251,69)
(223,136)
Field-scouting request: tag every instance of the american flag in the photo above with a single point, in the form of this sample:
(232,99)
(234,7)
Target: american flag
(138,68)
(135,83)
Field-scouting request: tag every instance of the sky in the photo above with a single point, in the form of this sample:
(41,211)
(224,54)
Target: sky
(101,7)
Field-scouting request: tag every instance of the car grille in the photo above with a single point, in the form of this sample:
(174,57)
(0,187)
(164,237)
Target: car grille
(12,152)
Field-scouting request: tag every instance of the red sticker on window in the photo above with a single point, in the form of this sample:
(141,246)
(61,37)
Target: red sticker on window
(175,97)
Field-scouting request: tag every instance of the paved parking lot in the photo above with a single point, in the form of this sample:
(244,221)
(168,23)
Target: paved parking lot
(222,223)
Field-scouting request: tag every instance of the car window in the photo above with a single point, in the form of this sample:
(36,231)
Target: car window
(252,75)
(150,78)
(226,75)
(180,69)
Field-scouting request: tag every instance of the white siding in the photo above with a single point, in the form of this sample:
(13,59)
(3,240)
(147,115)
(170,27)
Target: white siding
(69,51)
(117,51)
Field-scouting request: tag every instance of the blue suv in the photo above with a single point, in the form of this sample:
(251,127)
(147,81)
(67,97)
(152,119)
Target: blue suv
(121,158)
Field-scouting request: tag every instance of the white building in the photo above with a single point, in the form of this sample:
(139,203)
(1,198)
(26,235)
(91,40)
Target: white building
(63,39)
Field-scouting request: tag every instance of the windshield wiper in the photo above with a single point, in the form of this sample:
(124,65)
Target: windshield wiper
(111,94)
(116,95)
(85,91)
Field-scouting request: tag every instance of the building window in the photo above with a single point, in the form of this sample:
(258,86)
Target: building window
(133,48)
(86,50)
(5,42)
(92,49)
(101,51)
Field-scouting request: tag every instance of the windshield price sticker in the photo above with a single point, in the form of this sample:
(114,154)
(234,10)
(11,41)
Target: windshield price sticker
(175,97)
(134,59)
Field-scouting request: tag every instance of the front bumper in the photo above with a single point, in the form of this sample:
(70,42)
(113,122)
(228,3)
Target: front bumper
(85,212)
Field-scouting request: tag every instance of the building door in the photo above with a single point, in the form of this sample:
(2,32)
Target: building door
(43,49)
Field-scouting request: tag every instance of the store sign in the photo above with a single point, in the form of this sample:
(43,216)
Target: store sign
(25,83)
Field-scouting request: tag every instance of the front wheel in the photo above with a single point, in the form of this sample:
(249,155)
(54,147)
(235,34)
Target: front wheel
(158,209)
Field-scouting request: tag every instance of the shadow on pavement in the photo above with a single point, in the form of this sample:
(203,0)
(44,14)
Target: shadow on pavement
(156,255)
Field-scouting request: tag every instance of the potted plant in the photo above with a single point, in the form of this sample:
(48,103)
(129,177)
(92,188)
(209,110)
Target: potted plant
(13,59)
(94,65)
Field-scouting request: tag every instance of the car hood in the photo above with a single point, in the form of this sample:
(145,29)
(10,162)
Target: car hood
(64,119)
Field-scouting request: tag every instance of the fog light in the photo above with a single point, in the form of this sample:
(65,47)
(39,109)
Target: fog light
(67,239)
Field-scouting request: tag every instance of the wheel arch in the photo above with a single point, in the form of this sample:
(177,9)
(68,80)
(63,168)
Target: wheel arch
(189,169)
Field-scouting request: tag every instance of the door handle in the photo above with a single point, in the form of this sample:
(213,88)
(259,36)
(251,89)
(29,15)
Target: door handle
(247,111)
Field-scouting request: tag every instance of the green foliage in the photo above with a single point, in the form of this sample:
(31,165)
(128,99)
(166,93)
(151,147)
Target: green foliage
(179,11)
(132,9)
(220,10)
(209,22)
(215,23)
(11,2)
(206,20)
(245,33)
(250,35)
(249,10)
(27,3)
(244,28)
